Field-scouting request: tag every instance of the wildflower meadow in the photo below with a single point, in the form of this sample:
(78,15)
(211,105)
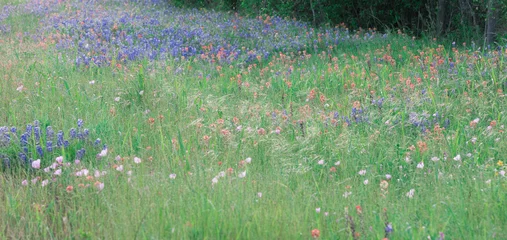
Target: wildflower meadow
(135,119)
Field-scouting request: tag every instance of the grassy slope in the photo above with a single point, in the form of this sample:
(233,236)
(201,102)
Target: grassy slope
(451,197)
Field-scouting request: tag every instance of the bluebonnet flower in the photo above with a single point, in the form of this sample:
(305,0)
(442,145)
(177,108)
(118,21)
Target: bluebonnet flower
(388,229)
(73,133)
(378,102)
(59,139)
(40,152)
(447,123)
(80,154)
(23,157)
(347,120)
(80,123)
(357,115)
(36,131)
(49,146)
(97,142)
(28,130)
(50,134)
(24,139)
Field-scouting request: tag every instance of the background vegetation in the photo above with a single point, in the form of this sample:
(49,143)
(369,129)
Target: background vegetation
(458,20)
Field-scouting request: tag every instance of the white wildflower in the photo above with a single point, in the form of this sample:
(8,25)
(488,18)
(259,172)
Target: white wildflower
(346,194)
(420,165)
(36,164)
(45,182)
(214,181)
(410,193)
(103,153)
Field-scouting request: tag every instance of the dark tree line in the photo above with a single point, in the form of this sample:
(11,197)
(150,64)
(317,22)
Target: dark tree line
(459,19)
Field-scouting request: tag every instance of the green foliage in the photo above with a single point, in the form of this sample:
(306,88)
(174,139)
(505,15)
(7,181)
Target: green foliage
(464,21)
(188,129)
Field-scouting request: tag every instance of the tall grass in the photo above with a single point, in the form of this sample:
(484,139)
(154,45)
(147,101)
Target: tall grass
(311,122)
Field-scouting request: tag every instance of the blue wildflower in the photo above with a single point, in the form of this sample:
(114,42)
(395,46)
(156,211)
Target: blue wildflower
(40,152)
(73,133)
(59,139)
(28,130)
(49,146)
(50,134)
(37,133)
(80,153)
(24,139)
(23,157)
(447,123)
(388,229)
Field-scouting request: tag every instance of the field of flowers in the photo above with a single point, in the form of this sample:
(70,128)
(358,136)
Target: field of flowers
(135,119)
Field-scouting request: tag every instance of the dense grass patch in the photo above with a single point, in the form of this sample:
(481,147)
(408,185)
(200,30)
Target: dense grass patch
(244,128)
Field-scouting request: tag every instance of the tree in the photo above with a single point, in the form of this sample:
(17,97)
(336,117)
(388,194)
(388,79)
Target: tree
(491,21)
(442,13)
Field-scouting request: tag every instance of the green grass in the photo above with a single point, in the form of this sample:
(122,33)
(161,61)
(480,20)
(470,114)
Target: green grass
(452,197)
